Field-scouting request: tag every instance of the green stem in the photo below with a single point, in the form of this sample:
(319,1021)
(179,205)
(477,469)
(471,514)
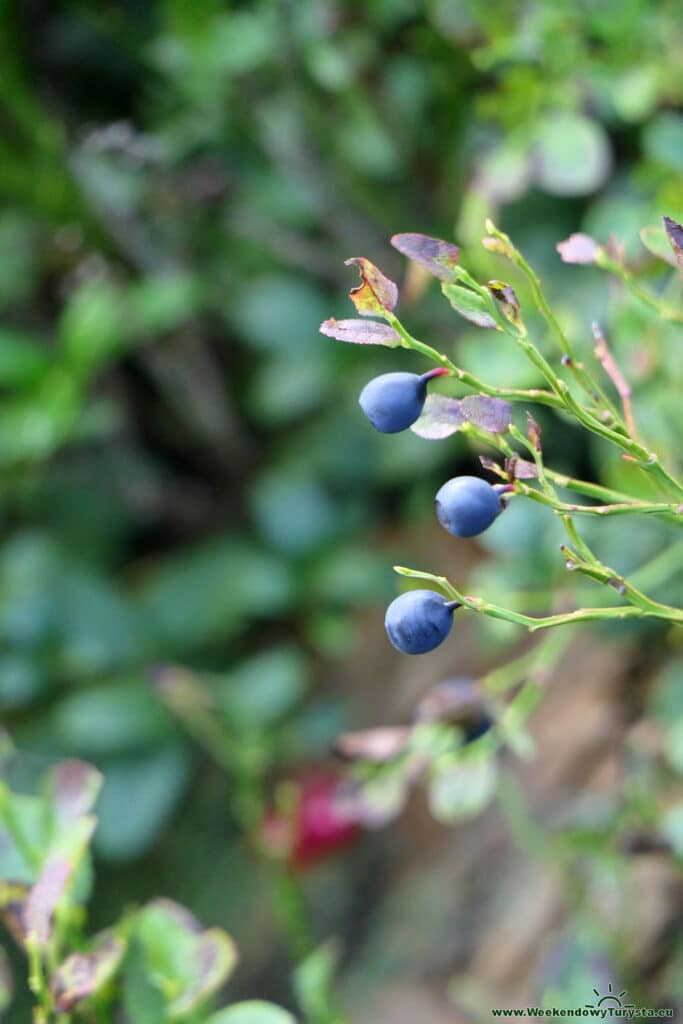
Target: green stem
(673,512)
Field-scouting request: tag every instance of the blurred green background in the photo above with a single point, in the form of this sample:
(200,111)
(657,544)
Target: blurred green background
(186,476)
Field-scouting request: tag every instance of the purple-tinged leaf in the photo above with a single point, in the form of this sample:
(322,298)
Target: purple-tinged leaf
(73,787)
(378,745)
(438,257)
(441,416)
(578,248)
(43,899)
(83,974)
(469,304)
(454,700)
(533,432)
(506,297)
(361,332)
(376,294)
(214,958)
(520,469)
(492,414)
(656,241)
(674,232)
(493,467)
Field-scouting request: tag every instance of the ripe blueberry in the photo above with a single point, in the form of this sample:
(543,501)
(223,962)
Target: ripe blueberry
(419,620)
(467,505)
(394,401)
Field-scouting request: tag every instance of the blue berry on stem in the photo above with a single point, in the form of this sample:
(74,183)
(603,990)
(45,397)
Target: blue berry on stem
(419,620)
(467,505)
(394,401)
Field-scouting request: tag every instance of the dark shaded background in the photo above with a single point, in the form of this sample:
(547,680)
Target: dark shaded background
(187,479)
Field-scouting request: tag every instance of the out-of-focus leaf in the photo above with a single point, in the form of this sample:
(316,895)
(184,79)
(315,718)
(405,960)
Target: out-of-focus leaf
(443,416)
(451,701)
(72,789)
(381,744)
(43,899)
(674,745)
(671,827)
(469,304)
(578,248)
(663,140)
(435,255)
(376,293)
(158,781)
(12,904)
(22,361)
(84,974)
(252,1011)
(360,332)
(656,240)
(115,718)
(674,232)
(461,786)
(91,328)
(161,302)
(260,691)
(6,982)
(185,964)
(21,862)
(572,154)
(313,980)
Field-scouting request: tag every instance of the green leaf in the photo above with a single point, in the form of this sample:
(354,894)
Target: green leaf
(470,305)
(461,786)
(671,827)
(91,325)
(573,156)
(6,983)
(116,718)
(313,981)
(158,780)
(263,689)
(185,964)
(253,1011)
(22,360)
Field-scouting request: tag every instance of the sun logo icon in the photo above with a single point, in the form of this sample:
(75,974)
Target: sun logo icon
(610,998)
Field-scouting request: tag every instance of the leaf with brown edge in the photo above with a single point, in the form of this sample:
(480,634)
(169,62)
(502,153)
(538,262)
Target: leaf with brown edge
(438,257)
(674,232)
(13,897)
(533,432)
(578,248)
(493,467)
(73,787)
(83,974)
(381,744)
(506,297)
(520,469)
(376,294)
(470,305)
(361,332)
(492,414)
(43,899)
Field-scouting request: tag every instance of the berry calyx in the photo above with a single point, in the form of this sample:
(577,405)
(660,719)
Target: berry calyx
(419,620)
(393,401)
(467,505)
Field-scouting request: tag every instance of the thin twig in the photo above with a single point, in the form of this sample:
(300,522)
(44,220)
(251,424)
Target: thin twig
(610,367)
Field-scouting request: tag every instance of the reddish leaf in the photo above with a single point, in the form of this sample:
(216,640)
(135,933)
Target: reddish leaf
(520,469)
(361,332)
(83,974)
(379,745)
(578,248)
(533,432)
(674,232)
(435,255)
(376,293)
(43,899)
(73,786)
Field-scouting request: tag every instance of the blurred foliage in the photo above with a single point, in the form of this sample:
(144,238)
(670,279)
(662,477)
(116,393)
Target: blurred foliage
(185,479)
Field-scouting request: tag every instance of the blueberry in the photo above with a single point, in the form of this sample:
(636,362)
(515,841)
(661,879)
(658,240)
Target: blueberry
(394,401)
(418,621)
(467,505)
